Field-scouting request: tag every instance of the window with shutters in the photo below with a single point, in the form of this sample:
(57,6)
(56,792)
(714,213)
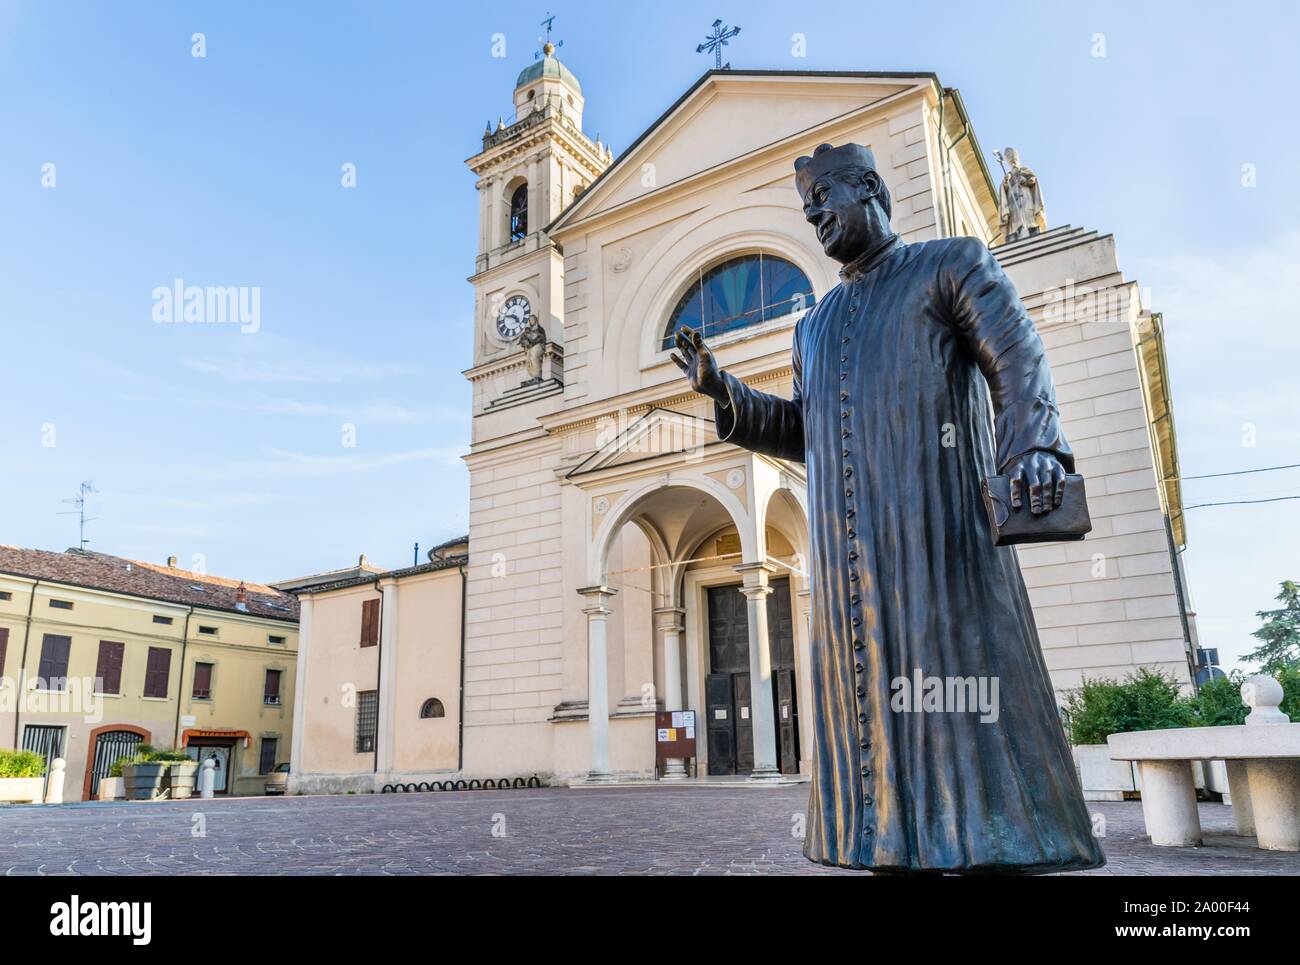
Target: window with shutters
(367,720)
(271,688)
(266,763)
(53,672)
(157,672)
(108,668)
(4,645)
(202,682)
(370,623)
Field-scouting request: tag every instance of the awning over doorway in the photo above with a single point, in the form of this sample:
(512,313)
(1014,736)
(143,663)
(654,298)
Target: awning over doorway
(197,733)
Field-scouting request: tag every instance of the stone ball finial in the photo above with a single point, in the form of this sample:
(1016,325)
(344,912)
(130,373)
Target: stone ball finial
(1263,694)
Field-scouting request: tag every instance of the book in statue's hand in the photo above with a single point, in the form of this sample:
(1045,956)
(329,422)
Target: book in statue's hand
(1011,524)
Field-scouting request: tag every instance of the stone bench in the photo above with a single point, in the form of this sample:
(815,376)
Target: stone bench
(1263,759)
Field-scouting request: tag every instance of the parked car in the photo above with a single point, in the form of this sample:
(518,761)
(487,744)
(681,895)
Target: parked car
(277,782)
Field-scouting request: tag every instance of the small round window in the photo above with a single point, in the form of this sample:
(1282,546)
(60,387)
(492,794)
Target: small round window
(432,708)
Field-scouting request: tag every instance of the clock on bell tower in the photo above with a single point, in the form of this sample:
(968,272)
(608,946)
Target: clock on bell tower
(530,168)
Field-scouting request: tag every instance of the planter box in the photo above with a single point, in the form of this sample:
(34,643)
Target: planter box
(112,788)
(22,790)
(1101,778)
(144,782)
(183,776)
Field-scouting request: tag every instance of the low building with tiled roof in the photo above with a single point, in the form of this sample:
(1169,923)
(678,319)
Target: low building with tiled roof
(99,654)
(154,581)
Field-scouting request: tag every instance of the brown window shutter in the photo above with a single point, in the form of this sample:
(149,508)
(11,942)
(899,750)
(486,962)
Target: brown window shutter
(4,645)
(157,671)
(108,668)
(370,623)
(202,680)
(54,661)
(271,690)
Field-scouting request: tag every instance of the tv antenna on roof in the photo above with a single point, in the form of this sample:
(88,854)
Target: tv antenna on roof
(79,501)
(715,41)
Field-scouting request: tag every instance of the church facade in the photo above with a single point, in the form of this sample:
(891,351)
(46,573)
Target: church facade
(623,563)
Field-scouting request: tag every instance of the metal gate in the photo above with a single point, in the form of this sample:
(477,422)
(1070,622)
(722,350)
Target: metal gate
(109,746)
(46,741)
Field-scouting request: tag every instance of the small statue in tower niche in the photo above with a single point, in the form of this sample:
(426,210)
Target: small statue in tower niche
(533,341)
(1020,200)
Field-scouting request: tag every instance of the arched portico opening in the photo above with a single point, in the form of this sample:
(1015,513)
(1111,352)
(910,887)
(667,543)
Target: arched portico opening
(684,594)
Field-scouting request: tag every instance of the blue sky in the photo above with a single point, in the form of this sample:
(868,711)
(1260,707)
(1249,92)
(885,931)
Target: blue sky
(225,170)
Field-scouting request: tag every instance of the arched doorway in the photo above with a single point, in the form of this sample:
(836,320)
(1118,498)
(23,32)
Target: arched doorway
(106,745)
(635,609)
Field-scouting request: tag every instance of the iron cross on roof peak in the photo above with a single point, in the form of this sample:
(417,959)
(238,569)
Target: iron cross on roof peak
(548,48)
(716,40)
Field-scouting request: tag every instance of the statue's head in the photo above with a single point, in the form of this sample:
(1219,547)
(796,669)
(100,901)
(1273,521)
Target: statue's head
(844,199)
(1011,157)
(533,321)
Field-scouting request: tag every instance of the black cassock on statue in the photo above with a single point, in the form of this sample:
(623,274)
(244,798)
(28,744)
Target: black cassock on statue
(893,374)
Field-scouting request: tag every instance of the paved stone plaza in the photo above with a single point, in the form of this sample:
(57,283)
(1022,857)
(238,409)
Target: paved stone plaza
(634,830)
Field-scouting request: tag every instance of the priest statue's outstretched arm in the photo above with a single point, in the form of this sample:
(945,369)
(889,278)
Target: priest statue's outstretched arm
(745,417)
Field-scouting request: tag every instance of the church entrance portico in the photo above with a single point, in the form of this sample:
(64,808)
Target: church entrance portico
(694,579)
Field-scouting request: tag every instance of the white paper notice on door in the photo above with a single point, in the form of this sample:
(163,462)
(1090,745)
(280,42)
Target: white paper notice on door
(679,719)
(719,714)
(744,713)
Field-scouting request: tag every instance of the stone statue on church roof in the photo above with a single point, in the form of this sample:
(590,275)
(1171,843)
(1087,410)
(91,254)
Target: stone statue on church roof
(1020,199)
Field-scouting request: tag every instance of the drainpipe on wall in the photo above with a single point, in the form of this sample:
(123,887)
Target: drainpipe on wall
(185,642)
(379,675)
(22,667)
(460,713)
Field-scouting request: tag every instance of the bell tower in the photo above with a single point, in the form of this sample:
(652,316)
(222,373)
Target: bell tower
(531,167)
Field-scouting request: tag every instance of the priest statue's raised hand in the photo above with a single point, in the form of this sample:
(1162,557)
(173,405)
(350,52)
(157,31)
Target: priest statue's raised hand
(894,372)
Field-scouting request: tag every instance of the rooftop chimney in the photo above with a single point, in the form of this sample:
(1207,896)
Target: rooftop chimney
(241,598)
(171,562)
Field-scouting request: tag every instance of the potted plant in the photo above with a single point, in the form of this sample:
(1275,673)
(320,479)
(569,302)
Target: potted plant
(1143,701)
(144,775)
(22,777)
(113,787)
(183,771)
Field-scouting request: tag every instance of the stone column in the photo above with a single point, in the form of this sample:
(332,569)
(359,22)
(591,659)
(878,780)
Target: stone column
(536,214)
(762,709)
(597,610)
(671,621)
(1169,804)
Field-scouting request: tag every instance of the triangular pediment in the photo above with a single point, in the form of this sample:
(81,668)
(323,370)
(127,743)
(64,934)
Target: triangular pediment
(727,116)
(655,433)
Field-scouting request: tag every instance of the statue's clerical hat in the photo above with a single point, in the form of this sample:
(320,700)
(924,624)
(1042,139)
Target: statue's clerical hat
(828,158)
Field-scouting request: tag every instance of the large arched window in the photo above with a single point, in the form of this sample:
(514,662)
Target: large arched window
(738,293)
(519,213)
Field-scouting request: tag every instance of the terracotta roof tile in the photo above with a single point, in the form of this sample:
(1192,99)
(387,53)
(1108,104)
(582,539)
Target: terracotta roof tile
(100,571)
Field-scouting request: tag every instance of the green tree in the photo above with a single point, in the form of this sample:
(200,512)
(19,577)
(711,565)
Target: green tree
(1280,633)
